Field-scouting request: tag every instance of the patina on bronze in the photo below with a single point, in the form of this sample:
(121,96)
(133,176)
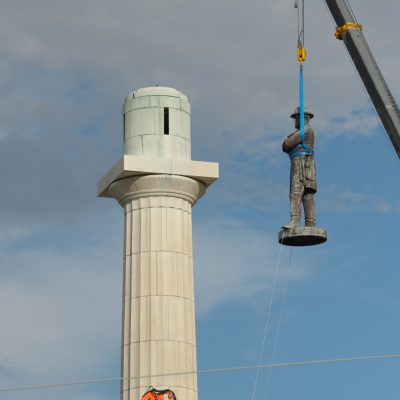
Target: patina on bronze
(303,177)
(303,186)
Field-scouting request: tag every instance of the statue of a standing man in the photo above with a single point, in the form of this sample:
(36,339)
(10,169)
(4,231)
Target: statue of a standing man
(303,181)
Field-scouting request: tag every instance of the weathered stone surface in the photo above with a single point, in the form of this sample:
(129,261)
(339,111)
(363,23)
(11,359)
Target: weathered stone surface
(158,309)
(127,166)
(302,236)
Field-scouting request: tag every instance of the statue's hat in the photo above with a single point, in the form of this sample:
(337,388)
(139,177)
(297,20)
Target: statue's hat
(296,113)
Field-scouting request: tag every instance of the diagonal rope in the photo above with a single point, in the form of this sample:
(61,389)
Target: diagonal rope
(267,321)
(330,361)
(279,323)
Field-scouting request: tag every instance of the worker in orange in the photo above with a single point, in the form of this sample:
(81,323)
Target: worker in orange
(156,394)
(303,182)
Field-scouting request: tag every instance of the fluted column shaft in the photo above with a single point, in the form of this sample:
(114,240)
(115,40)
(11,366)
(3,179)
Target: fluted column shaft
(158,333)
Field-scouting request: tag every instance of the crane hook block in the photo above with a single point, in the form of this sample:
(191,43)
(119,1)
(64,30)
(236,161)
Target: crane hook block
(341,30)
(301,54)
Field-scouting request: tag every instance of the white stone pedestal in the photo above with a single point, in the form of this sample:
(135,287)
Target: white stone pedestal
(158,309)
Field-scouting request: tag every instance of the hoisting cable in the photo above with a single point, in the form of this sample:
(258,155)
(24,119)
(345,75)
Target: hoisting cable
(301,56)
(278,329)
(301,51)
(271,301)
(301,91)
(302,149)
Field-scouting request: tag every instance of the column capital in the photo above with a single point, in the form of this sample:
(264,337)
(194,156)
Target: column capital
(130,166)
(135,187)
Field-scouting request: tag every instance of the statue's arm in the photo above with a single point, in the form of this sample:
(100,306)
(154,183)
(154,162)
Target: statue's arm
(291,142)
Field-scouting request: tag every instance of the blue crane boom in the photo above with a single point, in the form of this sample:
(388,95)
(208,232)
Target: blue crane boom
(351,33)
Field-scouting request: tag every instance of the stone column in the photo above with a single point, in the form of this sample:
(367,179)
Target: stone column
(158,300)
(157,183)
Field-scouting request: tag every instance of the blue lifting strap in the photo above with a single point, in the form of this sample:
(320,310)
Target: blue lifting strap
(301,104)
(306,149)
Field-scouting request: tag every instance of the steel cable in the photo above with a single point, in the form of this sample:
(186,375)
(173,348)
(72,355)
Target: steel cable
(278,330)
(267,321)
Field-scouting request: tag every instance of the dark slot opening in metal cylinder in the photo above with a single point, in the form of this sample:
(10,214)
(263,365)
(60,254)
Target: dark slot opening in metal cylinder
(166,121)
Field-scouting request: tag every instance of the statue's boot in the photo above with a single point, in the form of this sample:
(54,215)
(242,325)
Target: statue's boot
(309,209)
(295,209)
(291,224)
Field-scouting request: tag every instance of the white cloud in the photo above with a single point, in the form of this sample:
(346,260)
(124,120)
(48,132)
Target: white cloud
(18,231)
(339,199)
(60,314)
(234,262)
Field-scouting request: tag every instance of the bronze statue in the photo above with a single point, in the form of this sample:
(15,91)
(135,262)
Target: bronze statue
(303,181)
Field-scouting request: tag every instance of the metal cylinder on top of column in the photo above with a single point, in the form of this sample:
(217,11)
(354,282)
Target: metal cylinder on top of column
(157,124)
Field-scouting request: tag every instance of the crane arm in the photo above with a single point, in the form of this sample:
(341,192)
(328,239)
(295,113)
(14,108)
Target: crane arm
(350,32)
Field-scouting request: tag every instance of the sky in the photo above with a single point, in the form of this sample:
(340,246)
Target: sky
(65,68)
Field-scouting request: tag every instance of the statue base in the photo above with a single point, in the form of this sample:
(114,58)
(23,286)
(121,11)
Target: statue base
(302,236)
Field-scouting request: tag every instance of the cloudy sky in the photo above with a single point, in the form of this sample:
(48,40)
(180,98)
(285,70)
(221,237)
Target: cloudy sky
(65,67)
